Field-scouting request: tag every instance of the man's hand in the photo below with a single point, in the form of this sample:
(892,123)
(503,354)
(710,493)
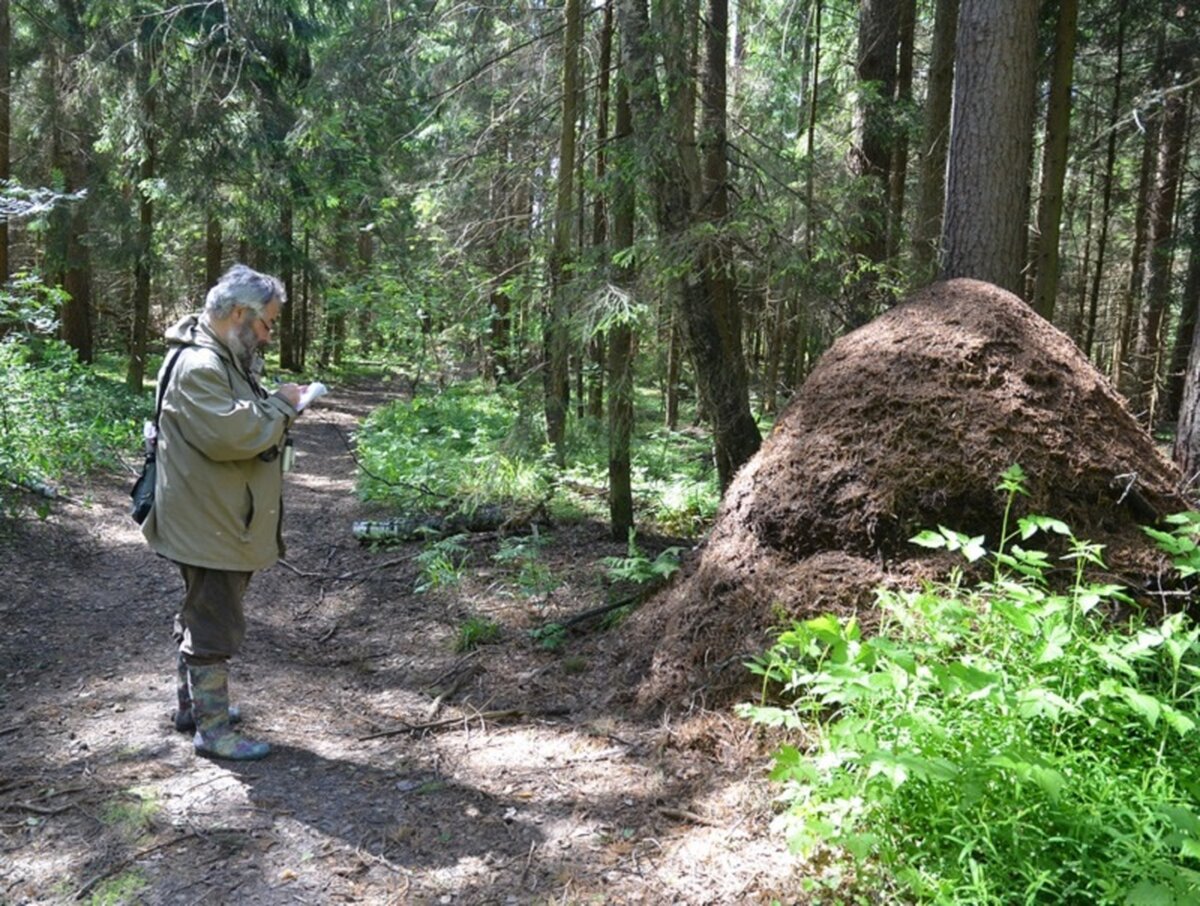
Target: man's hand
(290,394)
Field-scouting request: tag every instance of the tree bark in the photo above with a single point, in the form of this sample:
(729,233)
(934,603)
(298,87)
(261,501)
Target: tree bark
(898,172)
(983,229)
(1054,160)
(871,157)
(1159,256)
(620,340)
(1110,157)
(135,374)
(5,125)
(1187,389)
(213,249)
(557,387)
(935,136)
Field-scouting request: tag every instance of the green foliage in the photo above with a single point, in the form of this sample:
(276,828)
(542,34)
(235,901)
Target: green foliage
(127,887)
(999,743)
(447,447)
(476,631)
(474,444)
(1180,542)
(442,564)
(550,636)
(533,577)
(57,417)
(636,567)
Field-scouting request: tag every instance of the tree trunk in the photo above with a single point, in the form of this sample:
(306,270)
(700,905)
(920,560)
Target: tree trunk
(983,230)
(810,204)
(871,158)
(287,323)
(213,249)
(1187,389)
(1110,157)
(898,175)
(136,372)
(674,370)
(1189,314)
(5,126)
(1054,160)
(1159,256)
(597,349)
(737,437)
(556,335)
(935,135)
(1124,370)
(620,341)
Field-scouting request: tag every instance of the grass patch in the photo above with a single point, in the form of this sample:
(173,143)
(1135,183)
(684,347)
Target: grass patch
(996,743)
(476,631)
(474,444)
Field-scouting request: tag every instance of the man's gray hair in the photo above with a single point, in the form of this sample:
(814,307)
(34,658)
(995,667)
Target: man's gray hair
(241,285)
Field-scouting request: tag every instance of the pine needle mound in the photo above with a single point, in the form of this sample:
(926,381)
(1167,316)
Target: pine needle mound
(905,424)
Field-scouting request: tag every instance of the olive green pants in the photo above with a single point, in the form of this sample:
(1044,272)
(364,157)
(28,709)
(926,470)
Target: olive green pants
(211,624)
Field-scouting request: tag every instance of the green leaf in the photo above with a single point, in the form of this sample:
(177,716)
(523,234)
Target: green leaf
(928,538)
(1144,706)
(1177,720)
(1039,701)
(1181,818)
(1017,617)
(1149,893)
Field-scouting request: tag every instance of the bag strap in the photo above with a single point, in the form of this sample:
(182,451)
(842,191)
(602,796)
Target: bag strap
(162,385)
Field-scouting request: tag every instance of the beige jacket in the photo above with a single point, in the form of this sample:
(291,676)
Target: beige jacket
(217,503)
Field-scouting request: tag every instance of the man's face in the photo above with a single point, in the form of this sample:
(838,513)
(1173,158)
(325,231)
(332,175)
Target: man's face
(253,333)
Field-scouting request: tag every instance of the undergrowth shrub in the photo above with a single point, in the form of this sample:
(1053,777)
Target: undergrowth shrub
(1002,742)
(57,417)
(473,444)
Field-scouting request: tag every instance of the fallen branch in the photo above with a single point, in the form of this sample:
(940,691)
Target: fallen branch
(636,598)
(436,705)
(680,814)
(506,714)
(36,809)
(342,577)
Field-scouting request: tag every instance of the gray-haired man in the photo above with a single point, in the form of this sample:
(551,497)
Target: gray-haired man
(218,504)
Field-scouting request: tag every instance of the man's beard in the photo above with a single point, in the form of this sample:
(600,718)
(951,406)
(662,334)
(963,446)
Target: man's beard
(246,347)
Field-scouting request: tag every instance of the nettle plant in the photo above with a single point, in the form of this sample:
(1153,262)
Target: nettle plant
(1002,743)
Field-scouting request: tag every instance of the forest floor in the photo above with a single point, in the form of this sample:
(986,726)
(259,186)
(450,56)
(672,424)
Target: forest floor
(521,784)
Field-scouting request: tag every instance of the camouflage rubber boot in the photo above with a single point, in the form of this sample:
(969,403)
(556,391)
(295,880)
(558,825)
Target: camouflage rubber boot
(182,715)
(209,686)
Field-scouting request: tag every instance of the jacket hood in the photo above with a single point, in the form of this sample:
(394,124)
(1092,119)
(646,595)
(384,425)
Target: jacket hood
(195,330)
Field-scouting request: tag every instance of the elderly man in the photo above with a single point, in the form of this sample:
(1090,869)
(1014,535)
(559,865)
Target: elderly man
(218,503)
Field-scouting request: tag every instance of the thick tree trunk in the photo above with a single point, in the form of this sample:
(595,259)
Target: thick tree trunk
(1124,370)
(810,204)
(871,158)
(620,342)
(1189,314)
(557,388)
(597,346)
(1110,157)
(136,372)
(1187,433)
(935,136)
(5,125)
(1147,360)
(898,175)
(1054,160)
(213,249)
(712,335)
(983,230)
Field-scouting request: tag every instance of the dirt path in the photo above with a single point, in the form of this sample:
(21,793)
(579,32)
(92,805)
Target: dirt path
(563,801)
